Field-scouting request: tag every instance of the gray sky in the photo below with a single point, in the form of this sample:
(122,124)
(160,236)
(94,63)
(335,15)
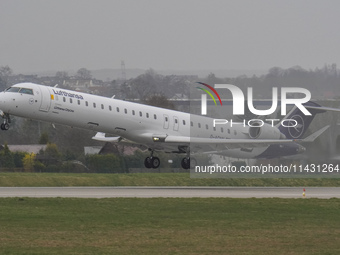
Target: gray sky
(41,35)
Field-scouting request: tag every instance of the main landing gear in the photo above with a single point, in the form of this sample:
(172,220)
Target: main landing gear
(7,120)
(152,162)
(188,162)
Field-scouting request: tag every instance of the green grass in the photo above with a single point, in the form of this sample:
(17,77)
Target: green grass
(169,226)
(148,179)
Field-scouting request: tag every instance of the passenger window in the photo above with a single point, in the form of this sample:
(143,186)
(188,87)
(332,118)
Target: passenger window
(86,103)
(79,102)
(117,109)
(206,126)
(147,115)
(222,129)
(71,100)
(133,112)
(214,128)
(199,125)
(125,110)
(140,114)
(64,99)
(102,106)
(94,105)
(191,123)
(155,116)
(110,107)
(183,122)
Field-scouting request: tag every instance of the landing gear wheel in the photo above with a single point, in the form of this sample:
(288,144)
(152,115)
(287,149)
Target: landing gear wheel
(147,162)
(152,162)
(185,163)
(7,120)
(4,126)
(155,162)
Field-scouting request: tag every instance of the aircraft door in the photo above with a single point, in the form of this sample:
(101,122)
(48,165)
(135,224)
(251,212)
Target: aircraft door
(166,121)
(45,99)
(176,123)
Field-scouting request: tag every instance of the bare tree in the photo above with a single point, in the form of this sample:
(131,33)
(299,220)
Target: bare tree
(61,75)
(84,73)
(5,72)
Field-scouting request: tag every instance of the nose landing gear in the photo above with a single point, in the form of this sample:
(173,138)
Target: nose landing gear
(7,120)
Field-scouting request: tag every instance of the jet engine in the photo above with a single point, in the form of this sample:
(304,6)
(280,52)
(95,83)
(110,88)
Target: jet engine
(260,130)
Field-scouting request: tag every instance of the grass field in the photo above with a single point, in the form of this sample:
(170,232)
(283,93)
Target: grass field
(169,226)
(149,179)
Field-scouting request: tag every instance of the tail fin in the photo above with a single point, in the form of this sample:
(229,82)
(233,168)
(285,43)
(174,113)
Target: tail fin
(303,121)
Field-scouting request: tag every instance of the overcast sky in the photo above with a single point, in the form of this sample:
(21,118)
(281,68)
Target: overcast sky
(41,35)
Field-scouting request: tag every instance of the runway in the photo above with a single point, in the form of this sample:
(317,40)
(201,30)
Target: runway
(166,192)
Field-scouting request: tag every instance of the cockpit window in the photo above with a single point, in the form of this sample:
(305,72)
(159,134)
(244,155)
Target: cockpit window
(13,89)
(20,90)
(26,91)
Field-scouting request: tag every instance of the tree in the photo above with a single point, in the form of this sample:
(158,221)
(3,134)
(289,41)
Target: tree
(28,162)
(6,158)
(5,72)
(52,151)
(159,101)
(83,73)
(212,79)
(44,138)
(144,85)
(61,75)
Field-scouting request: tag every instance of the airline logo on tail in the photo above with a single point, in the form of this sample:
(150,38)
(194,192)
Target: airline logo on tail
(297,130)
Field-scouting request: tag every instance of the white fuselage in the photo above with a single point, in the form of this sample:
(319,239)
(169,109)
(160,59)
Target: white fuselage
(132,121)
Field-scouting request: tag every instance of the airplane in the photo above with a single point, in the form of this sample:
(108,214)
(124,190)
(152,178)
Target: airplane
(156,128)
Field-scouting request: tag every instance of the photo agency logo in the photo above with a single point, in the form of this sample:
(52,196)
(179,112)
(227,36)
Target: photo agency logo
(238,103)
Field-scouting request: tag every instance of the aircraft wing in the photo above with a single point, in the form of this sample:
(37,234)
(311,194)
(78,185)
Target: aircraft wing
(226,143)
(101,137)
(117,139)
(237,143)
(211,143)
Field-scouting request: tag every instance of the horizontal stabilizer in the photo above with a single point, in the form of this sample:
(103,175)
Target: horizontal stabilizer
(315,135)
(322,108)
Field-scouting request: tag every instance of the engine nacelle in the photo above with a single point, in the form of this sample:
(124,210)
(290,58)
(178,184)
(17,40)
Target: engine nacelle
(260,130)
